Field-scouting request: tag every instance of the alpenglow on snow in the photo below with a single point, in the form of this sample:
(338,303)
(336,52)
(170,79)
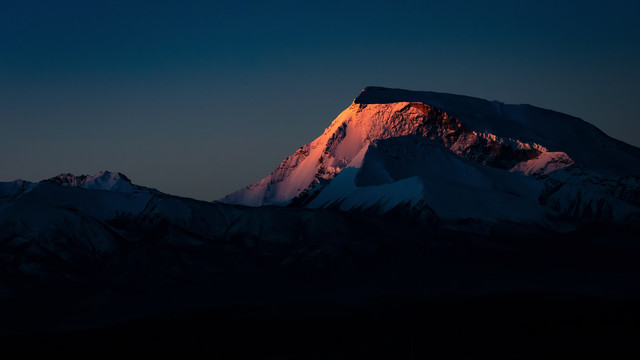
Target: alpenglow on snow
(457,157)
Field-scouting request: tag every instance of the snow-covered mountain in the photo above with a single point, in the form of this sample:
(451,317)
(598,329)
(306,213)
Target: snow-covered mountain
(104,180)
(477,199)
(457,157)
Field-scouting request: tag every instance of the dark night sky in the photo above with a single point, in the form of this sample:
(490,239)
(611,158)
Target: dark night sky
(201,98)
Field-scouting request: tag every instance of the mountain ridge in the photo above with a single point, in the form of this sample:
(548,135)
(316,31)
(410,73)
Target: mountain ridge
(102,181)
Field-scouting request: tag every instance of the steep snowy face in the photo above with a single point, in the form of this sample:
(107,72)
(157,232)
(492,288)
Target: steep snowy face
(345,142)
(406,147)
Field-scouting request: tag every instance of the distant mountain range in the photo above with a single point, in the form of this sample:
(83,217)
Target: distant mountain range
(407,199)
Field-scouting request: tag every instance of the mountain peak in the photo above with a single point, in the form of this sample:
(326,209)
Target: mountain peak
(104,180)
(458,156)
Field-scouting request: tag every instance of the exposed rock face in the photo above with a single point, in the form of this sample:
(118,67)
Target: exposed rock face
(67,179)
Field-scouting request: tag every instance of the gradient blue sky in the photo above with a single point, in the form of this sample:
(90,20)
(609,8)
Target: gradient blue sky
(200,98)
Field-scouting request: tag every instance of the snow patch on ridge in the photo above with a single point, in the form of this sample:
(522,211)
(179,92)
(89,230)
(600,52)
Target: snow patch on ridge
(544,164)
(344,193)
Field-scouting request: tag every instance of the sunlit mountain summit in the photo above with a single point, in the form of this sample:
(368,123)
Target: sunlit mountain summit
(456,157)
